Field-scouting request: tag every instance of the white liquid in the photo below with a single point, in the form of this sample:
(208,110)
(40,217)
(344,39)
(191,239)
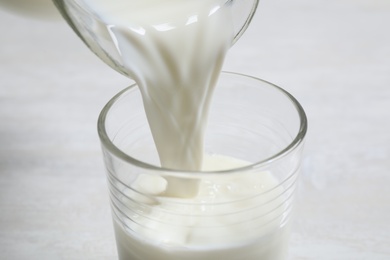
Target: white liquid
(225,220)
(174,50)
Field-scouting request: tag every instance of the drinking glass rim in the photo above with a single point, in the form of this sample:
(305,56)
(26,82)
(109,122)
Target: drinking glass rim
(108,144)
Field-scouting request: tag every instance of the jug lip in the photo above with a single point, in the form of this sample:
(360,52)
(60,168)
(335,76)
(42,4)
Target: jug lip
(247,21)
(292,146)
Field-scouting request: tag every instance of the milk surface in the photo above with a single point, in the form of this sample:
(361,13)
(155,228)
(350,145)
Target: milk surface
(239,216)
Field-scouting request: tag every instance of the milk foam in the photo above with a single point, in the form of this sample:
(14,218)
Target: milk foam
(238,216)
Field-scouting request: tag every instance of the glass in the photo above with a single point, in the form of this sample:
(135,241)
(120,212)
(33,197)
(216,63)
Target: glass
(96,34)
(250,120)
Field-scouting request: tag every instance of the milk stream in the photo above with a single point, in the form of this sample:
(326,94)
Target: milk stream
(174,50)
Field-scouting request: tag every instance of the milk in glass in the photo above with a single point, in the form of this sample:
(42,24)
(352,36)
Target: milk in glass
(174,50)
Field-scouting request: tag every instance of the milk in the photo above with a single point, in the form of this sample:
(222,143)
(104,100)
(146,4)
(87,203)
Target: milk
(239,216)
(174,50)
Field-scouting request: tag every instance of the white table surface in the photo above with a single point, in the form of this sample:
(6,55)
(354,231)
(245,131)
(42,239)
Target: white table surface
(333,56)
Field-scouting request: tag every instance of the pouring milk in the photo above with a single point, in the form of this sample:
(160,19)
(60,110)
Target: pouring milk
(174,50)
